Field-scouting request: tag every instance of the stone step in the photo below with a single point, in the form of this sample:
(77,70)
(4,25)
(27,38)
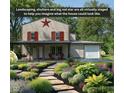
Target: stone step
(68,91)
(62,87)
(47,73)
(56,82)
(51,67)
(48,69)
(50,77)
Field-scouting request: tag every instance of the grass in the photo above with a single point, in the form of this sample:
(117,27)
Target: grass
(108,57)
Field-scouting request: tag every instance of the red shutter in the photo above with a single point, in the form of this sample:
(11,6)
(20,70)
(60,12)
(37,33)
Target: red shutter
(53,36)
(28,36)
(61,36)
(36,36)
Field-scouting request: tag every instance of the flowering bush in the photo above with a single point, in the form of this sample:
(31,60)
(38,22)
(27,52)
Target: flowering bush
(13,57)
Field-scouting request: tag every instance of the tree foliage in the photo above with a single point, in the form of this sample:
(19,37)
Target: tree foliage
(97,28)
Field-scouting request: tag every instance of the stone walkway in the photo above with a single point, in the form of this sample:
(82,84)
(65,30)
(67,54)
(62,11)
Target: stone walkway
(58,85)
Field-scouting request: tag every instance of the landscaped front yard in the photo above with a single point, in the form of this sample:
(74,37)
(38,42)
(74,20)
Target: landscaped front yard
(25,78)
(85,77)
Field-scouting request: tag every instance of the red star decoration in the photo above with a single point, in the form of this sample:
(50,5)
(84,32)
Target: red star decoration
(45,22)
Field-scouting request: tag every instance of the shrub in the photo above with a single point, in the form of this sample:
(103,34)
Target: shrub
(31,66)
(109,65)
(14,66)
(27,75)
(13,74)
(70,61)
(76,79)
(102,53)
(34,70)
(41,85)
(66,75)
(13,57)
(16,86)
(23,66)
(101,89)
(96,81)
(109,75)
(87,69)
(41,65)
(79,63)
(60,67)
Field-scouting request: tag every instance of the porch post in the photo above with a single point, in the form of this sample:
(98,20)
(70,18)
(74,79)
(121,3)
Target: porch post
(37,51)
(43,52)
(68,50)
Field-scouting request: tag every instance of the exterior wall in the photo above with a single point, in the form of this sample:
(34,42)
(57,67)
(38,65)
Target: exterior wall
(77,50)
(45,32)
(92,51)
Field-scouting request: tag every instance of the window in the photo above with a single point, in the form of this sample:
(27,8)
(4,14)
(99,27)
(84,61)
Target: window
(32,36)
(55,50)
(57,36)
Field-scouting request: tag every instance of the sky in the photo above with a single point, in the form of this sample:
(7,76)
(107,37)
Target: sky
(80,3)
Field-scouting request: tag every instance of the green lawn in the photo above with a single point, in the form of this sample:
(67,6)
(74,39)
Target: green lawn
(108,57)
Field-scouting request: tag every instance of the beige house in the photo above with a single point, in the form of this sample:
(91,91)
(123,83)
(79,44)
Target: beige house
(50,39)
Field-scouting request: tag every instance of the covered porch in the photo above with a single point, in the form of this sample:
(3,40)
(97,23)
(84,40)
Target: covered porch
(44,50)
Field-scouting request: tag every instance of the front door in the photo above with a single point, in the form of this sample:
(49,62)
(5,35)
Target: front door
(56,52)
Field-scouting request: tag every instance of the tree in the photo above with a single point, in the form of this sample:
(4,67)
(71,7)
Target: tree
(16,22)
(97,28)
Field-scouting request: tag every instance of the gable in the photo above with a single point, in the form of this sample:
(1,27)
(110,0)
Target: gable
(45,27)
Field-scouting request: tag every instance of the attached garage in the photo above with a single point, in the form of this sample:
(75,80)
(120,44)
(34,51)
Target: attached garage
(92,51)
(77,50)
(85,49)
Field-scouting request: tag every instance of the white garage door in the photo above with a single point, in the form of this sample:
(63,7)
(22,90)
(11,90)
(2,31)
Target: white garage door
(92,51)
